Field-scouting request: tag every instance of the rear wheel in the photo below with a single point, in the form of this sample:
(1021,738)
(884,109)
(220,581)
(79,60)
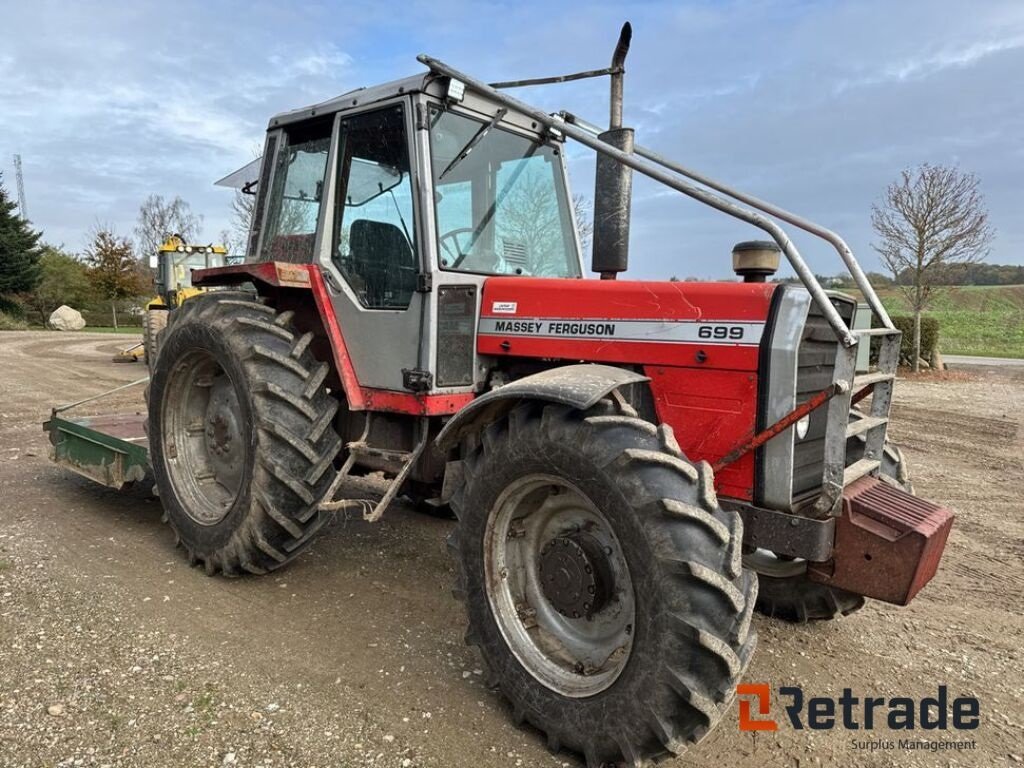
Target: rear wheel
(785,592)
(241,433)
(602,581)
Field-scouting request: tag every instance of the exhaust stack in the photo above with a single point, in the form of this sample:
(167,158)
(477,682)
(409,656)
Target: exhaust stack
(613,181)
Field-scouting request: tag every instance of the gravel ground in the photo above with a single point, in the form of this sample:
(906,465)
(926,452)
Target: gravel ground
(114,652)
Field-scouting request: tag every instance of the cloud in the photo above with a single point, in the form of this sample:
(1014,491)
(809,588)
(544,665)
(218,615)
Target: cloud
(816,106)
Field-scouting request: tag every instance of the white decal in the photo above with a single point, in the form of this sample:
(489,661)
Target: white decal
(504,307)
(728,332)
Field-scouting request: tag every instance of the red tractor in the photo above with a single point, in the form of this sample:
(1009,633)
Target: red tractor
(627,460)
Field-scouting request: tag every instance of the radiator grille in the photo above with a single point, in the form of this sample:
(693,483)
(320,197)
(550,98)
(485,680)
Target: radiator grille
(816,360)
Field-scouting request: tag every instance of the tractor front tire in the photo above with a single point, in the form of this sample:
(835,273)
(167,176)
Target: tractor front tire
(153,323)
(241,433)
(602,581)
(785,592)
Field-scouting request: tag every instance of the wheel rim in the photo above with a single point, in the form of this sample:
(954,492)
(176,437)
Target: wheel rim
(204,445)
(764,562)
(558,585)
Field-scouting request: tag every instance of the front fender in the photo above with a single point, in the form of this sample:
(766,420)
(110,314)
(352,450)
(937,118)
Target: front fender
(578,386)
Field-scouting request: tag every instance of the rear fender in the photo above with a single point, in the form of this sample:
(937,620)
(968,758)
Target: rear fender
(290,286)
(577,386)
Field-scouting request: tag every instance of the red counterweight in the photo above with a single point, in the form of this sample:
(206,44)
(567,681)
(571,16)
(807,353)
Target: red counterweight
(888,543)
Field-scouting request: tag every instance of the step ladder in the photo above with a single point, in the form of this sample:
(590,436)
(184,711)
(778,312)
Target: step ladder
(361,449)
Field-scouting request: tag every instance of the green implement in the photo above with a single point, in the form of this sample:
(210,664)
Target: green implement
(111,449)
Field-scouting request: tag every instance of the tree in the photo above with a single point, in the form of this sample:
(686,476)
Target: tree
(931,219)
(159,219)
(242,208)
(19,251)
(113,270)
(63,280)
(584,225)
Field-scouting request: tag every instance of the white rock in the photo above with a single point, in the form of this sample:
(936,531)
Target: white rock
(64,318)
(55,710)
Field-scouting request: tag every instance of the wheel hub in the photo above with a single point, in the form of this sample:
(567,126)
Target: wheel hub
(205,437)
(575,575)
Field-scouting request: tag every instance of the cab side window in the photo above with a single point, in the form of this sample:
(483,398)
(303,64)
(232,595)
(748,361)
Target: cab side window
(297,192)
(374,242)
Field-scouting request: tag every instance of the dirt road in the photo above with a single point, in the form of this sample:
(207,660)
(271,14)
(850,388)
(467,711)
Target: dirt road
(114,652)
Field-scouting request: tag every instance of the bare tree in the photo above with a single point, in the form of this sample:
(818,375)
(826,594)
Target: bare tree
(242,209)
(584,224)
(159,219)
(931,219)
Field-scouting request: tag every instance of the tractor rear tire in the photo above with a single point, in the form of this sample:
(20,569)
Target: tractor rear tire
(153,323)
(241,433)
(795,598)
(581,533)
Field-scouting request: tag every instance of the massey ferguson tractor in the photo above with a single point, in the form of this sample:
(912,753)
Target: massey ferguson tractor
(627,460)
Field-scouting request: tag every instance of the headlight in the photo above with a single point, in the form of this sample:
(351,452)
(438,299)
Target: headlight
(802,425)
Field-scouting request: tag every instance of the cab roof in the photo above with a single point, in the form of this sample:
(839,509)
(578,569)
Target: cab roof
(426,82)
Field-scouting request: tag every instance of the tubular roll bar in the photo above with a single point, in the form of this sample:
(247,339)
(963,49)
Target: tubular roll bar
(651,165)
(797,221)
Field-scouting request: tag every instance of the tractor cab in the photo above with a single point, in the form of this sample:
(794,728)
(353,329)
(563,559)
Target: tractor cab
(174,262)
(394,189)
(419,175)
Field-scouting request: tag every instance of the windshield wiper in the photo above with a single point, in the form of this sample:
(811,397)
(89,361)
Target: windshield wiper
(471,144)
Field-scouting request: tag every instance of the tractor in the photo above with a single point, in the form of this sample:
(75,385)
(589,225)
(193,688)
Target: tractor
(173,263)
(627,461)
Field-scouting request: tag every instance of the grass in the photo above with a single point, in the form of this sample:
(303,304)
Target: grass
(10,323)
(982,320)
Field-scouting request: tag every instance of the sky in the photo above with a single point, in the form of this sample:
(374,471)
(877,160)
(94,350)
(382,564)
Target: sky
(816,106)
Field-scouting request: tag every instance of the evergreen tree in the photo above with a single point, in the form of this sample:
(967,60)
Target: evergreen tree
(19,251)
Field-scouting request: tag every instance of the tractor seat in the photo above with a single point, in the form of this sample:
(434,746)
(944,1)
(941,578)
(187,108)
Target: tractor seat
(381,256)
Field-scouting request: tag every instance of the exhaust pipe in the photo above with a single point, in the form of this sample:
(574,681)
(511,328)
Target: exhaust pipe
(613,182)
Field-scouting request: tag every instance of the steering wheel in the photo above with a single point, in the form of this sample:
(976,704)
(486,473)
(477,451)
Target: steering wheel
(449,243)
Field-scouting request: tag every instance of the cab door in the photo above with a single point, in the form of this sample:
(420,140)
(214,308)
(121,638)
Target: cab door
(371,248)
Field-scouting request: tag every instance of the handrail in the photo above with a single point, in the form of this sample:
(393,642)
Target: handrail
(652,170)
(69,406)
(837,242)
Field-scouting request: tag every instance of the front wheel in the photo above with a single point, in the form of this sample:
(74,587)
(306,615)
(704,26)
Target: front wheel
(602,581)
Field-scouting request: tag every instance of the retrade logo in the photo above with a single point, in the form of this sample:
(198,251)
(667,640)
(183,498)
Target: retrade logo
(818,713)
(763,696)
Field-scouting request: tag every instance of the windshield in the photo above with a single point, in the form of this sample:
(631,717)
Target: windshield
(500,201)
(184,263)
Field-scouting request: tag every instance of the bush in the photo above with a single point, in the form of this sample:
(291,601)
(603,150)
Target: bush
(9,323)
(101,318)
(905,323)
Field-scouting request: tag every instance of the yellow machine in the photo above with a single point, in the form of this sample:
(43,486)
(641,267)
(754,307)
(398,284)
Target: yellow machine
(173,262)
